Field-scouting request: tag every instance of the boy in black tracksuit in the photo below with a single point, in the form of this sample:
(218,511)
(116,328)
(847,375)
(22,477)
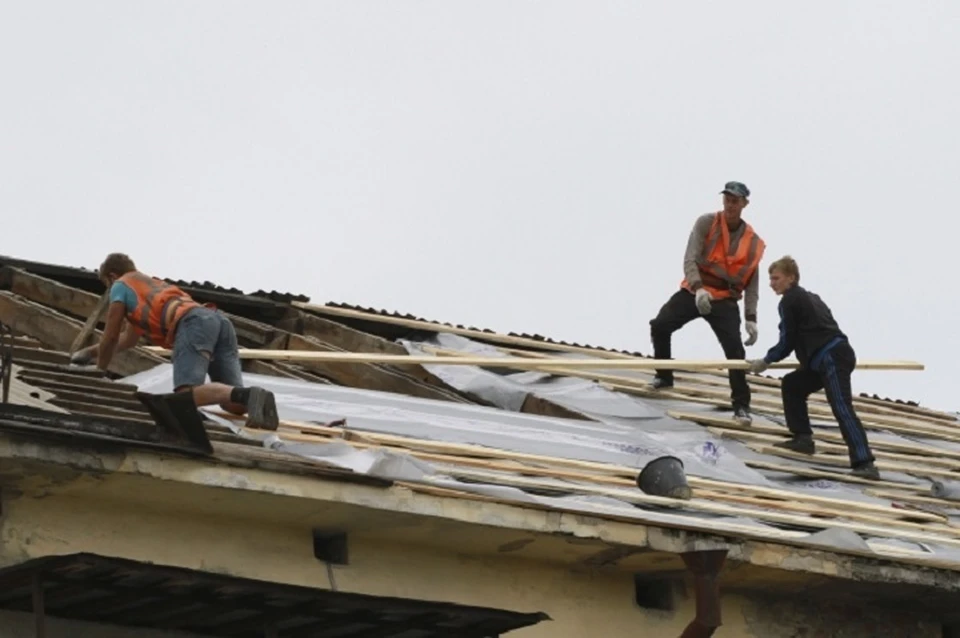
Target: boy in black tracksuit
(826,358)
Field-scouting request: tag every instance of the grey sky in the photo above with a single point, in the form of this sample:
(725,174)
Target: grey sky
(527,166)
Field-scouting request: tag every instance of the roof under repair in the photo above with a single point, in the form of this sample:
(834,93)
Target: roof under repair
(567,440)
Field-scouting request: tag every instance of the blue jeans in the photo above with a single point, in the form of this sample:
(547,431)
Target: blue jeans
(205,342)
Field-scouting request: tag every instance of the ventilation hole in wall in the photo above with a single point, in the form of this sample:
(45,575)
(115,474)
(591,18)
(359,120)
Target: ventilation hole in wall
(653,593)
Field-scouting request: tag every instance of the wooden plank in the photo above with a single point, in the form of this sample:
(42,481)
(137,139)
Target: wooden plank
(86,333)
(843,461)
(344,338)
(771,398)
(827,512)
(57,331)
(76,302)
(839,509)
(897,495)
(130,404)
(637,497)
(842,477)
(250,331)
(277,369)
(454,464)
(313,356)
(99,410)
(339,335)
(928,431)
(87,381)
(930,456)
(481,335)
(358,374)
(27,356)
(461,450)
(728,429)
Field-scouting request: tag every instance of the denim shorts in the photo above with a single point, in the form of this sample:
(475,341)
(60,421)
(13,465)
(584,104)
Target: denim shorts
(201,332)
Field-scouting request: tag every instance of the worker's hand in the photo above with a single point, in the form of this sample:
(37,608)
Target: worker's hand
(703,301)
(757,365)
(82,357)
(752,332)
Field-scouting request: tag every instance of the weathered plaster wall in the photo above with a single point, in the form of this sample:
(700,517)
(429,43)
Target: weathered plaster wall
(582,602)
(783,618)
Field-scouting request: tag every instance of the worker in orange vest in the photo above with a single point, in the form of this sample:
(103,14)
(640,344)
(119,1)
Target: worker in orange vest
(203,341)
(720,267)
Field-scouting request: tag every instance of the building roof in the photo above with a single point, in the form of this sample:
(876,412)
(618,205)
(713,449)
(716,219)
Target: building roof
(555,439)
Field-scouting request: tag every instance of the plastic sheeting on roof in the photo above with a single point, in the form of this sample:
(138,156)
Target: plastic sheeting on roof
(610,441)
(630,441)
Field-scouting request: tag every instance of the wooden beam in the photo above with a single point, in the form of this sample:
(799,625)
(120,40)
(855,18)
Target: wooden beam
(91,324)
(480,335)
(359,374)
(72,301)
(344,338)
(312,356)
(283,370)
(339,335)
(349,339)
(57,331)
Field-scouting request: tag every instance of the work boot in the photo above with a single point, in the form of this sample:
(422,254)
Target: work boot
(802,443)
(262,410)
(742,416)
(867,471)
(660,384)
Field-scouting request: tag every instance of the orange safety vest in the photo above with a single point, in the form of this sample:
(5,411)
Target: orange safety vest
(723,274)
(159,307)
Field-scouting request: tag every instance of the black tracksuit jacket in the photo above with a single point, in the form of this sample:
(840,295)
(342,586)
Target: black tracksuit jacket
(807,327)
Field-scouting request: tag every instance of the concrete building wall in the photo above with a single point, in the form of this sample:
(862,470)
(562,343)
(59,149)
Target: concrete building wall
(582,602)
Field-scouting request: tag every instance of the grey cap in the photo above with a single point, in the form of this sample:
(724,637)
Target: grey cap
(738,189)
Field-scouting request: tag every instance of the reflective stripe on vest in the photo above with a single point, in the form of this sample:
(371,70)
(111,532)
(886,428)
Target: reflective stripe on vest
(149,319)
(716,265)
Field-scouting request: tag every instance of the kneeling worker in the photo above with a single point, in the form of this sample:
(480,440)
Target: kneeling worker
(826,362)
(203,341)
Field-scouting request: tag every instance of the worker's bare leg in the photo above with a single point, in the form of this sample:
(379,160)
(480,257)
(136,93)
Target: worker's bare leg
(215,394)
(206,342)
(260,403)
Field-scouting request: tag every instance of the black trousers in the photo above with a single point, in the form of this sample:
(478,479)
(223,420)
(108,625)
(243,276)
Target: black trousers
(833,377)
(724,318)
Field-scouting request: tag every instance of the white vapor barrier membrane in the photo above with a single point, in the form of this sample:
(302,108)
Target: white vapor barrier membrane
(631,433)
(616,441)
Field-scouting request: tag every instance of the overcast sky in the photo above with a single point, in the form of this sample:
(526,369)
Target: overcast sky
(524,166)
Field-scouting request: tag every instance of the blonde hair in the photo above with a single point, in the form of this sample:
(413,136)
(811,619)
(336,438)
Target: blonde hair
(787,265)
(117,264)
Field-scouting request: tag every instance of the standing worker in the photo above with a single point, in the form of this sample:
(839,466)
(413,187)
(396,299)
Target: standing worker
(203,341)
(826,358)
(720,265)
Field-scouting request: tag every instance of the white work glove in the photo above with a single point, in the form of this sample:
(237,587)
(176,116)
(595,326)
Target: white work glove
(757,365)
(752,331)
(703,301)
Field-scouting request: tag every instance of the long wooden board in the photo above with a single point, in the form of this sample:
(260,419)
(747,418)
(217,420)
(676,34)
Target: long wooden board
(528,363)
